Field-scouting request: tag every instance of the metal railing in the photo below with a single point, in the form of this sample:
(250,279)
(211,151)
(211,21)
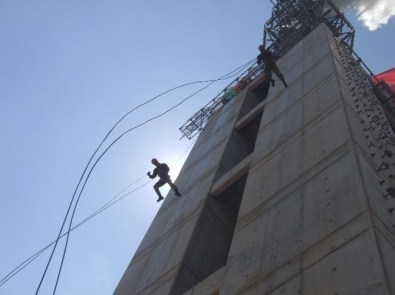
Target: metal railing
(291,21)
(196,123)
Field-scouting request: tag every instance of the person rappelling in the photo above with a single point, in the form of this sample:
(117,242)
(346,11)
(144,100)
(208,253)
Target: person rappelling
(266,57)
(162,170)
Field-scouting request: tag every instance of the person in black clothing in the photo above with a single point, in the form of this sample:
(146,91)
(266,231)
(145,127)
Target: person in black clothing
(268,60)
(162,170)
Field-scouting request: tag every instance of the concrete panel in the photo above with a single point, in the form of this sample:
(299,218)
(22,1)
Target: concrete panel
(339,67)
(268,242)
(356,131)
(229,111)
(318,73)
(291,65)
(187,205)
(162,289)
(168,255)
(132,275)
(165,256)
(294,92)
(291,287)
(201,168)
(156,230)
(353,269)
(315,47)
(179,212)
(325,137)
(282,239)
(243,263)
(376,194)
(216,131)
(223,125)
(337,239)
(279,89)
(291,120)
(315,103)
(280,104)
(192,170)
(320,99)
(201,151)
(293,71)
(155,260)
(332,198)
(272,110)
(345,89)
(293,56)
(387,252)
(223,118)
(275,134)
(268,178)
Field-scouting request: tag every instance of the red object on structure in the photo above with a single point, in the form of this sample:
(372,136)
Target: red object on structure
(388,77)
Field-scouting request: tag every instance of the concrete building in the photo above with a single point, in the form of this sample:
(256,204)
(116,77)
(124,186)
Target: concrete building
(291,194)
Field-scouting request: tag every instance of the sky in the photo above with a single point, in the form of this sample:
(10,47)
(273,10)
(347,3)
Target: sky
(69,70)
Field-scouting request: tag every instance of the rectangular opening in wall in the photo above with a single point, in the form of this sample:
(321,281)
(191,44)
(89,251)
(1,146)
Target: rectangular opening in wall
(254,96)
(241,144)
(212,237)
(250,130)
(261,90)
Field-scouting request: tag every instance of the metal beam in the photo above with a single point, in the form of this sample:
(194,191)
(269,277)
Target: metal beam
(291,21)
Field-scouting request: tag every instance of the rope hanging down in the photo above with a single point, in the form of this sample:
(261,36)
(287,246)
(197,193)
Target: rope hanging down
(227,76)
(236,72)
(107,205)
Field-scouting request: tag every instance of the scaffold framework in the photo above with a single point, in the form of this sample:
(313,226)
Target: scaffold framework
(290,22)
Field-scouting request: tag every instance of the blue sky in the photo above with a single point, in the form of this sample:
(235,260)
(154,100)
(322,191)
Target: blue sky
(68,71)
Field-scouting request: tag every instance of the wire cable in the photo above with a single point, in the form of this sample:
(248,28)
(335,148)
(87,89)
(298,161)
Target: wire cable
(118,138)
(107,205)
(90,160)
(227,76)
(33,257)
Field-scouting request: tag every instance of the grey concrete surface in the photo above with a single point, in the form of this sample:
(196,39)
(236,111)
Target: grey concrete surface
(306,207)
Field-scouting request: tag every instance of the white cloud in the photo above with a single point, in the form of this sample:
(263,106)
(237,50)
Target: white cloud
(373,13)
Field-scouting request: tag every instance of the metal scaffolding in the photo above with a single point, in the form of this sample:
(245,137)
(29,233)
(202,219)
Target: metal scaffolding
(196,123)
(291,21)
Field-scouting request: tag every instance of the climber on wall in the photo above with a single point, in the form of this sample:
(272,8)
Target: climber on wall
(266,57)
(162,170)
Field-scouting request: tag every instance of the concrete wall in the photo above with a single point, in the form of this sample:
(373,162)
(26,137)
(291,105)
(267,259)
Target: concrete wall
(313,196)
(160,255)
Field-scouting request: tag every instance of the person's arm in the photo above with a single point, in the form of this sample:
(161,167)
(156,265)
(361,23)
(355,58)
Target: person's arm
(259,59)
(153,175)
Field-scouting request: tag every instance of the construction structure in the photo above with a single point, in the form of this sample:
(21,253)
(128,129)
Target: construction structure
(286,190)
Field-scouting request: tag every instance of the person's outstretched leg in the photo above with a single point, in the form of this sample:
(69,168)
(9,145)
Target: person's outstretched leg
(279,75)
(156,188)
(174,188)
